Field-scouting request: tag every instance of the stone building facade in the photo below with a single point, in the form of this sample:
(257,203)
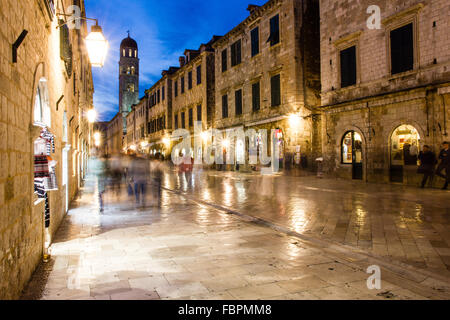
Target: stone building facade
(159,114)
(49,86)
(385,92)
(114,135)
(193,91)
(267,77)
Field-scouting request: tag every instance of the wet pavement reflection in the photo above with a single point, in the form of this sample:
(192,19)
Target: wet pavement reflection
(401,223)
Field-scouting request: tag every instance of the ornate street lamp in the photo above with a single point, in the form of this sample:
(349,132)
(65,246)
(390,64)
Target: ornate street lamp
(96,43)
(97,46)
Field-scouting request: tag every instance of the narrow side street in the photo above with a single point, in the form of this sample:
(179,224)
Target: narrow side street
(185,250)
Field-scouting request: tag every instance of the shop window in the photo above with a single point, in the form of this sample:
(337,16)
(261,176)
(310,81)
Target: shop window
(348,67)
(238,101)
(351,148)
(402,49)
(405,145)
(254,34)
(42,113)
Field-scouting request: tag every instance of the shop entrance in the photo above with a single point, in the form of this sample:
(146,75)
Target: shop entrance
(352,151)
(405,146)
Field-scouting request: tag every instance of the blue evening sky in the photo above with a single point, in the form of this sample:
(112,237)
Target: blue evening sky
(163,30)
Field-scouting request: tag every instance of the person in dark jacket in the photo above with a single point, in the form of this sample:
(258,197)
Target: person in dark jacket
(444,156)
(427,164)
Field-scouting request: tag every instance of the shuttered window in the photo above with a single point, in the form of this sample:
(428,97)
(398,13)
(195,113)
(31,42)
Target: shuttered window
(238,101)
(236,49)
(189,80)
(183,120)
(191,117)
(224,60)
(256,101)
(255,41)
(225,106)
(199,113)
(274,30)
(275,90)
(402,49)
(348,67)
(65,47)
(199,74)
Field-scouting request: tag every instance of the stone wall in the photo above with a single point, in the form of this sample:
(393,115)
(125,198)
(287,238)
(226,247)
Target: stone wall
(21,219)
(381,102)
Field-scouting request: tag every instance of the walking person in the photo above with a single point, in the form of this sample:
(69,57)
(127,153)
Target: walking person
(157,173)
(139,173)
(427,164)
(444,156)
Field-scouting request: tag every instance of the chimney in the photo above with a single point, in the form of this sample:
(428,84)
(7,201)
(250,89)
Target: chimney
(182,61)
(252,7)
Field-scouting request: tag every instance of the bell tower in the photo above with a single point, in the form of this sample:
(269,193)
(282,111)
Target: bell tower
(128,77)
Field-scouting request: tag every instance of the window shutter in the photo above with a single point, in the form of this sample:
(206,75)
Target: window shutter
(255,96)
(275,90)
(255,41)
(238,101)
(225,106)
(402,49)
(65,47)
(224,60)
(348,67)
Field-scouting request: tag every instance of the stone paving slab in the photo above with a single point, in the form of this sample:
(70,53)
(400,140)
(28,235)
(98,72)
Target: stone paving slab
(185,250)
(402,224)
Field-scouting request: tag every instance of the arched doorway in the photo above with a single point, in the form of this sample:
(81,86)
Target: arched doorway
(352,153)
(405,146)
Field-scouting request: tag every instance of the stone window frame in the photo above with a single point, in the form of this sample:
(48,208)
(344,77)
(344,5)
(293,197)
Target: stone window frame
(398,20)
(352,40)
(276,71)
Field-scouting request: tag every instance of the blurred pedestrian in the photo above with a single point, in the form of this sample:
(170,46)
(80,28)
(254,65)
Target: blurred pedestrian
(444,156)
(428,163)
(98,169)
(157,171)
(139,173)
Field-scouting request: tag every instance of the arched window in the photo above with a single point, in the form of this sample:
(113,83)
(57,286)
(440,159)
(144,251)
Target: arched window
(405,145)
(351,148)
(131,87)
(130,52)
(135,53)
(133,70)
(42,114)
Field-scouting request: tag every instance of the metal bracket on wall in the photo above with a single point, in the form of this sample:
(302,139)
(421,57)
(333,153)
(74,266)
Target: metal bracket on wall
(58,102)
(17,44)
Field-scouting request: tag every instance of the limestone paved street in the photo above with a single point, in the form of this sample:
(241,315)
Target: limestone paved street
(190,250)
(405,224)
